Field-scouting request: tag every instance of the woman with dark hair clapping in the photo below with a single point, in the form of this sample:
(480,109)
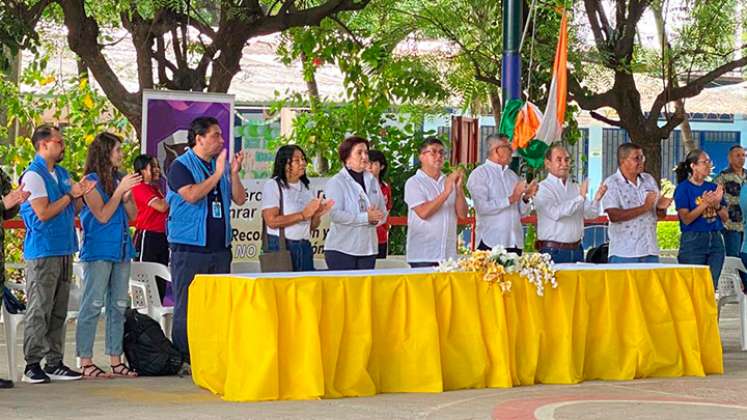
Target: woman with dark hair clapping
(106,254)
(701,210)
(152,210)
(301,211)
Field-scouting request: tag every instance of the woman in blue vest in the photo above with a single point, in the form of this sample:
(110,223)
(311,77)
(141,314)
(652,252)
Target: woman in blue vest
(106,253)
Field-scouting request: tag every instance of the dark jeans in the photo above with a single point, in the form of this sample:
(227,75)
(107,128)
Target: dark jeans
(732,242)
(703,248)
(483,247)
(560,256)
(423,264)
(184,267)
(302,255)
(340,261)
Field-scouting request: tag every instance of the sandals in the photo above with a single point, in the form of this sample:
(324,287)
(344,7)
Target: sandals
(123,371)
(94,372)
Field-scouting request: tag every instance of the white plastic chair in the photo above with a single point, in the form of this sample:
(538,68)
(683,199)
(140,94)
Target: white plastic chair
(144,292)
(730,291)
(11,324)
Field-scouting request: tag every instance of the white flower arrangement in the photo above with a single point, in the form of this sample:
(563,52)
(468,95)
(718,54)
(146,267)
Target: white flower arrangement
(536,268)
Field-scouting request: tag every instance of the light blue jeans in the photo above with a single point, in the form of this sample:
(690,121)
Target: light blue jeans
(106,285)
(614,259)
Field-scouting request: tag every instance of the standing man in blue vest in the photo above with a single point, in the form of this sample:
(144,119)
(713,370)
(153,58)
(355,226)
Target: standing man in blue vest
(201,189)
(48,250)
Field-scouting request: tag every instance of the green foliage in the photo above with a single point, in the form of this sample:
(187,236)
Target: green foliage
(668,235)
(79,109)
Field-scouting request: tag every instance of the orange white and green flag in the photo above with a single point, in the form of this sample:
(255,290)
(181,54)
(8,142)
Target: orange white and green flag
(551,127)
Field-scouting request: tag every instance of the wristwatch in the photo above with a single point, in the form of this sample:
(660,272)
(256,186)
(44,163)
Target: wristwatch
(69,194)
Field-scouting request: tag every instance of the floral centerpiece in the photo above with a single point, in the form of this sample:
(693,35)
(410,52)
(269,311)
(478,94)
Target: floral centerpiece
(536,268)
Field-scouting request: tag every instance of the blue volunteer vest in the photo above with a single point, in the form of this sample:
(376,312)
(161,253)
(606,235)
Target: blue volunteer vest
(55,237)
(187,223)
(108,241)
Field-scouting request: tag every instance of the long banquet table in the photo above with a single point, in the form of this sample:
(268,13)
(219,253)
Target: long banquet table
(337,334)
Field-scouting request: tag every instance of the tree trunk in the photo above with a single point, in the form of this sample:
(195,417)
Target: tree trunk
(495,104)
(321,164)
(679,105)
(686,133)
(652,150)
(13,75)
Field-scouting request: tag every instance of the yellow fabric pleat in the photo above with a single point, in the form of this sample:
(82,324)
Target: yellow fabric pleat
(327,337)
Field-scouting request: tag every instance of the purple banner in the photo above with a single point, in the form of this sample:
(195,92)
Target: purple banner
(167,118)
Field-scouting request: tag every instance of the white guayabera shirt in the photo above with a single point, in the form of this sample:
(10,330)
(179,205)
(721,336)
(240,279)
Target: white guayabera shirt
(498,221)
(561,211)
(635,237)
(434,239)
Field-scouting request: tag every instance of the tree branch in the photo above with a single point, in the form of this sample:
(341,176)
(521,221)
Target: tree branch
(602,118)
(307,17)
(82,38)
(587,99)
(694,87)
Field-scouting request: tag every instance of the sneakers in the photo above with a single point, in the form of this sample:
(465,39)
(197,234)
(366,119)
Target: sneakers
(5,384)
(35,375)
(61,373)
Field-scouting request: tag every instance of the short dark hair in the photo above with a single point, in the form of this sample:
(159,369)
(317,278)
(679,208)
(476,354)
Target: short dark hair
(346,147)
(624,150)
(554,146)
(199,127)
(43,132)
(736,146)
(377,156)
(429,141)
(141,162)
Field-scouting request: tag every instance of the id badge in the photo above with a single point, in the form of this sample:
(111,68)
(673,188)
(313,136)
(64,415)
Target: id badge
(217,210)
(362,204)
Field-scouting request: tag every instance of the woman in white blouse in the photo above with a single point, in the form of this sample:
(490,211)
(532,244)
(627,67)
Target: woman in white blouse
(301,210)
(359,207)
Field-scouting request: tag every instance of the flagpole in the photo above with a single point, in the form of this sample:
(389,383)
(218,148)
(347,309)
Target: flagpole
(511,70)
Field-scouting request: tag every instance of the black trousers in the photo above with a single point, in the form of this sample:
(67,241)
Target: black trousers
(340,261)
(153,247)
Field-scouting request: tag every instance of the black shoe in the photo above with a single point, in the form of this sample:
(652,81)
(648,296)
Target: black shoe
(5,384)
(62,373)
(35,375)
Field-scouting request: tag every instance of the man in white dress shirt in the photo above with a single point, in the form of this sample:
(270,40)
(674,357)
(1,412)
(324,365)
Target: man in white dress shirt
(500,198)
(633,204)
(561,206)
(434,203)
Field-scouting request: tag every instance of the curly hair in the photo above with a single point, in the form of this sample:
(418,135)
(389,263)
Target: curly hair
(99,161)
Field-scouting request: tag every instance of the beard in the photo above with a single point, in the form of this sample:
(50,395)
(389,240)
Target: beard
(60,157)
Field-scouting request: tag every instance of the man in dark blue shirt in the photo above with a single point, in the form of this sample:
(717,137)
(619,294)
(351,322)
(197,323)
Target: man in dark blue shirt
(201,189)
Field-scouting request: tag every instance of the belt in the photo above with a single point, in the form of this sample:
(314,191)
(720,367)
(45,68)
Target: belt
(556,245)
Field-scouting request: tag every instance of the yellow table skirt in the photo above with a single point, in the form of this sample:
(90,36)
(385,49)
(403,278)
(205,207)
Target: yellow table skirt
(316,336)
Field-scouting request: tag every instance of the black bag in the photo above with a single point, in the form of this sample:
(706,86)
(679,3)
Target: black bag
(12,304)
(599,254)
(147,349)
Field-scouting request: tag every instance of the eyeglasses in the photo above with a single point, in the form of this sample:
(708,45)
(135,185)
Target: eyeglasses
(441,153)
(639,158)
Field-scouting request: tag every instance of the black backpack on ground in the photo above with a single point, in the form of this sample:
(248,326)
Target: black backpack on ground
(147,349)
(599,254)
